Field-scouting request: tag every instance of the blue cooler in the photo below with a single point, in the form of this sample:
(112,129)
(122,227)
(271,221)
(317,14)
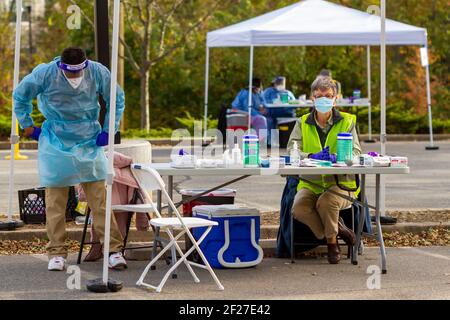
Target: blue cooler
(234,242)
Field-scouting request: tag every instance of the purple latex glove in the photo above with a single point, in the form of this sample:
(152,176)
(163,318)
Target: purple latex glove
(36,133)
(322,155)
(102,139)
(333,158)
(373,154)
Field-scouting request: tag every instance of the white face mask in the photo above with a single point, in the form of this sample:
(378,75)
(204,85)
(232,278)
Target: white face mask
(280,88)
(74,82)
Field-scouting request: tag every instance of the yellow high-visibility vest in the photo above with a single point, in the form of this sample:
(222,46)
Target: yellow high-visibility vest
(312,144)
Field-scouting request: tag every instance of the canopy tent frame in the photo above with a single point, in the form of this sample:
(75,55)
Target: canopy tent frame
(14,138)
(213,44)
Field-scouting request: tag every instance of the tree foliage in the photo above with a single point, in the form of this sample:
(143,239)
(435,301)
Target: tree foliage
(176,80)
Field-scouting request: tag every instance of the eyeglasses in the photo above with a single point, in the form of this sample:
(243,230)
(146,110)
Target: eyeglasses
(329,96)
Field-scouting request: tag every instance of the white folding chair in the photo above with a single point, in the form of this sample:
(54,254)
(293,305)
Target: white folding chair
(150,180)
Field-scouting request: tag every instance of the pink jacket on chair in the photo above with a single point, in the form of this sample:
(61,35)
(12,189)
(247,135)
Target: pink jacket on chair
(124,189)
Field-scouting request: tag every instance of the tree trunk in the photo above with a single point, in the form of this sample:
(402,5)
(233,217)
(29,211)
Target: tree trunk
(145,100)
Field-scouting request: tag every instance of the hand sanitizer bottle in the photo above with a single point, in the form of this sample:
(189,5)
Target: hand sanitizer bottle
(295,155)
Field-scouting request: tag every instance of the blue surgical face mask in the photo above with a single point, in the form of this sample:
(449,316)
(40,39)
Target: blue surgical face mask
(324,104)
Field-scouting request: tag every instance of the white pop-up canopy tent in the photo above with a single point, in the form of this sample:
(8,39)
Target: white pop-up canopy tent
(112,116)
(316,23)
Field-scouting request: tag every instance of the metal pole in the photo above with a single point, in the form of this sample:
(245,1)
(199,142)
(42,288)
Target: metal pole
(383,101)
(250,85)
(101,29)
(206,93)
(369,95)
(14,133)
(112,127)
(430,117)
(30,32)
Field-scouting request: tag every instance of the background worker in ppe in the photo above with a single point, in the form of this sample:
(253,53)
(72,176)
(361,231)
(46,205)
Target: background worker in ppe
(258,110)
(275,93)
(316,136)
(71,142)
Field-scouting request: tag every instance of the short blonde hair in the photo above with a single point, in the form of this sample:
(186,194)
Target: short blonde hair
(323,83)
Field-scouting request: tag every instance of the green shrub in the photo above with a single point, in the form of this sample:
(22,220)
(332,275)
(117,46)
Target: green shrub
(154,133)
(195,125)
(5,127)
(399,121)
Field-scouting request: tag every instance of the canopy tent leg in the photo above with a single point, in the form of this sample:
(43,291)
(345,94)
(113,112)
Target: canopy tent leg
(383,101)
(11,224)
(206,94)
(250,85)
(430,117)
(105,284)
(369,95)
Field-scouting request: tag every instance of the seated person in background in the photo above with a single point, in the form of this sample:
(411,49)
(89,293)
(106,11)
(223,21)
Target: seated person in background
(258,110)
(327,73)
(274,93)
(316,136)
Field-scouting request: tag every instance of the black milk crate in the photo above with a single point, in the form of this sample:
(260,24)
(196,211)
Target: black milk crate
(32,205)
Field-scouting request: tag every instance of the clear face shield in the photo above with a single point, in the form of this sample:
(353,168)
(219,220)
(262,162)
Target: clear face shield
(74,74)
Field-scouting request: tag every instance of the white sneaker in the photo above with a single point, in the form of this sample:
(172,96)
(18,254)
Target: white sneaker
(117,261)
(57,264)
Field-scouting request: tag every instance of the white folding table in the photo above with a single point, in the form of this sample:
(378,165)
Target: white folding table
(164,169)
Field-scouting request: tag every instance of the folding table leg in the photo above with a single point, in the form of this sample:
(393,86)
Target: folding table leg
(83,236)
(361,220)
(292,238)
(379,230)
(155,245)
(127,231)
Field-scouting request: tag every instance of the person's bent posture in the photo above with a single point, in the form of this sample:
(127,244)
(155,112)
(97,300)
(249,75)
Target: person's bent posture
(70,142)
(316,136)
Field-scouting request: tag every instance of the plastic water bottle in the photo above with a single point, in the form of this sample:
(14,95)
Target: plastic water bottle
(344,147)
(251,151)
(295,155)
(236,156)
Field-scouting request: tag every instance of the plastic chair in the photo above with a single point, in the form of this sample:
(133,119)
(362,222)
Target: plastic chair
(150,180)
(354,210)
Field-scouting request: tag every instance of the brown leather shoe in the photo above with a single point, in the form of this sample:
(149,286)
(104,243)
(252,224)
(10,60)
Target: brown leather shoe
(345,233)
(334,253)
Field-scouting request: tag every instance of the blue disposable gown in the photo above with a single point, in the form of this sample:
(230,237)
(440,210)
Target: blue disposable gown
(68,154)
(241,102)
(270,95)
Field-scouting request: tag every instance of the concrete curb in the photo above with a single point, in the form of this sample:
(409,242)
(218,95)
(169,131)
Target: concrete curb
(31,145)
(268,232)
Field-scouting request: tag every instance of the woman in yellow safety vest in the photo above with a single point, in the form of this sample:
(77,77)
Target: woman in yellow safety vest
(315,134)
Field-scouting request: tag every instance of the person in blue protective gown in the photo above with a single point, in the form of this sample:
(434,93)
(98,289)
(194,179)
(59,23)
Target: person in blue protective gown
(274,94)
(258,110)
(71,142)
